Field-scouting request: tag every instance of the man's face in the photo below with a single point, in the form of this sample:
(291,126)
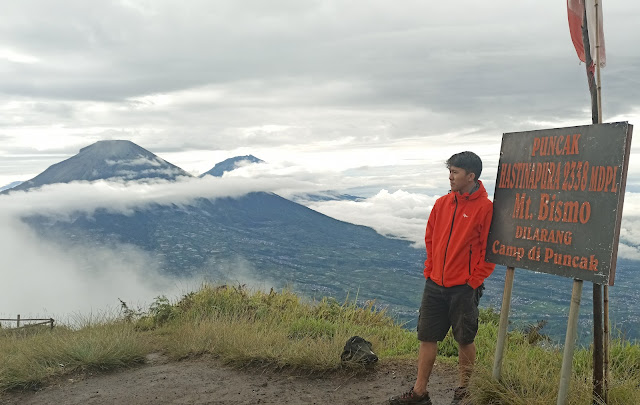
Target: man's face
(461,180)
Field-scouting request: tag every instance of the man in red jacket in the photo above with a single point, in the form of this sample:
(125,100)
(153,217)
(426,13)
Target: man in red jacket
(455,270)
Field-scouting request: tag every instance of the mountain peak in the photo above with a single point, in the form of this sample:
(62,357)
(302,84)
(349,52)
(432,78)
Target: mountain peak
(109,159)
(231,164)
(112,147)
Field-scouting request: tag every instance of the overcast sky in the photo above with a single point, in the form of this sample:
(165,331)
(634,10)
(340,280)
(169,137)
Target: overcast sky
(321,84)
(367,97)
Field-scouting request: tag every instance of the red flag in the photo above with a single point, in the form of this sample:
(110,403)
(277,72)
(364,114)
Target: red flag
(575,12)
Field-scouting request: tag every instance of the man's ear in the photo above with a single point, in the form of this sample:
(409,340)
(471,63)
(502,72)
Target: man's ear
(472,176)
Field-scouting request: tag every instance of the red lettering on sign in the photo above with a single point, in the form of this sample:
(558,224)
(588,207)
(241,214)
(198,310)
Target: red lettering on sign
(567,260)
(544,235)
(521,207)
(556,145)
(555,210)
(505,250)
(603,178)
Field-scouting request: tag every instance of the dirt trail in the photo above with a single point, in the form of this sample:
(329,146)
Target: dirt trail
(206,381)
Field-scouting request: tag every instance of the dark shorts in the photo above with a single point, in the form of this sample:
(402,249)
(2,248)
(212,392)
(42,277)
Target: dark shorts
(449,307)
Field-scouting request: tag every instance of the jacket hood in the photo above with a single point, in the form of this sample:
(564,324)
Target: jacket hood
(480,192)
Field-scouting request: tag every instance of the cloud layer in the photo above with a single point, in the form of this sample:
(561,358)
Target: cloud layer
(44,278)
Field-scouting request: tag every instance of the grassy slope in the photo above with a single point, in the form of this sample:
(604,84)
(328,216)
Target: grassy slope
(280,330)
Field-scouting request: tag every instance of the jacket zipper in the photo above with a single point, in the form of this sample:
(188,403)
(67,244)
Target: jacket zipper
(444,263)
(470,252)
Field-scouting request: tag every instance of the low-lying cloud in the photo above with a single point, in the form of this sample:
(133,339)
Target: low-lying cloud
(125,196)
(404,215)
(399,214)
(45,278)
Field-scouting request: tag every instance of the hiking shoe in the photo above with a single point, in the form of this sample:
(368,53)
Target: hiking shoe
(459,396)
(411,398)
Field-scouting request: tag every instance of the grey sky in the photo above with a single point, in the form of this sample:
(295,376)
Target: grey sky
(282,78)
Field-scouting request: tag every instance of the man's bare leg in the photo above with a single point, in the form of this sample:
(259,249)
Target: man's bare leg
(466,360)
(426,358)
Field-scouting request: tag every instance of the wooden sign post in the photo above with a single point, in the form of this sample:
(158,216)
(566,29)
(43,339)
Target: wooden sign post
(504,322)
(557,209)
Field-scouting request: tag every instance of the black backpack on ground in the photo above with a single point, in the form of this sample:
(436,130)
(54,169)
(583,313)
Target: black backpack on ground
(358,350)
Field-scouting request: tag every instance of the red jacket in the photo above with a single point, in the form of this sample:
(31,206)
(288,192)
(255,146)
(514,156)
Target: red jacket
(456,239)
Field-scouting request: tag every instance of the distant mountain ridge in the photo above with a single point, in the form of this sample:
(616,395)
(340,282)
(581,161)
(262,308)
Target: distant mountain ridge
(325,196)
(231,164)
(105,160)
(281,242)
(10,185)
